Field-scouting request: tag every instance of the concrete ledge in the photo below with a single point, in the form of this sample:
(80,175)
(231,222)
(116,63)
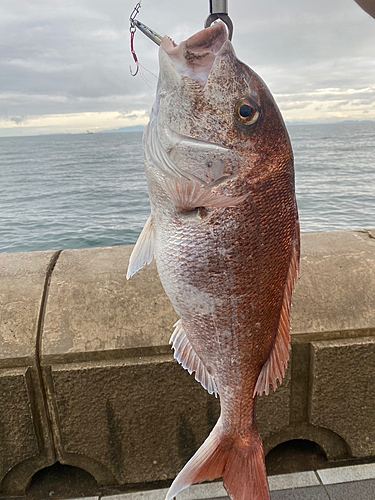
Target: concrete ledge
(26,442)
(92,375)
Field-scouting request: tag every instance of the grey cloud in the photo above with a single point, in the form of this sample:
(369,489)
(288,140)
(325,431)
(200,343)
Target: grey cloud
(17,119)
(358,98)
(337,105)
(129,116)
(340,104)
(26,104)
(80,54)
(293,104)
(74,56)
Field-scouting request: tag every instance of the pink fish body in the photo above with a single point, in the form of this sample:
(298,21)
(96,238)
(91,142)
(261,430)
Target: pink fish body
(224,232)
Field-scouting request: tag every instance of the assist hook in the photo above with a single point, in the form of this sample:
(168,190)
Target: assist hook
(219,10)
(151,34)
(133,29)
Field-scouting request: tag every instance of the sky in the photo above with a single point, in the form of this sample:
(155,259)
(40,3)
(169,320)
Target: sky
(64,64)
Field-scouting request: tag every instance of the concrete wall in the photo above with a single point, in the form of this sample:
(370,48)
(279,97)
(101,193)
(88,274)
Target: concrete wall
(87,376)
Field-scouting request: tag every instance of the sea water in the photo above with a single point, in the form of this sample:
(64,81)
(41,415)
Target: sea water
(89,190)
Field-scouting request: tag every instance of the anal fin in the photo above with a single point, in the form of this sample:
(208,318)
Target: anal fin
(187,195)
(188,358)
(143,252)
(274,368)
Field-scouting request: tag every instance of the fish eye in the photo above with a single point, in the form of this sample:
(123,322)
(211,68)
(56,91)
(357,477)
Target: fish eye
(247,111)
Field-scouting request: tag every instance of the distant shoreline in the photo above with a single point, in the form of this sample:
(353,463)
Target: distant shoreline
(140,128)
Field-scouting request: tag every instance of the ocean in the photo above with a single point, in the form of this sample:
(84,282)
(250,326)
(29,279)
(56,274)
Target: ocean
(89,190)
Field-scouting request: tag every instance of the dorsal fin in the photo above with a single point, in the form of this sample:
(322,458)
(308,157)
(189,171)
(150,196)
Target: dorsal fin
(187,357)
(274,368)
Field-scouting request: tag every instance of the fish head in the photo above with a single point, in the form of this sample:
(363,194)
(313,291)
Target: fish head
(214,117)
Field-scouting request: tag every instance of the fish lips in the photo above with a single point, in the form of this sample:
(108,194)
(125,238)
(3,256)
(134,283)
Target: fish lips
(195,57)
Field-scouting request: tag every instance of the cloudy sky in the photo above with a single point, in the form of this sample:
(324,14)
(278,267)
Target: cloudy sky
(64,64)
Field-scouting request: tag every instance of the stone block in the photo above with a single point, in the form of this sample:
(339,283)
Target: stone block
(18,438)
(342,396)
(140,419)
(25,439)
(336,291)
(92,308)
(273,411)
(21,289)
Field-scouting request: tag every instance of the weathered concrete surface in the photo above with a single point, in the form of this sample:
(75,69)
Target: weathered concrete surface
(25,441)
(342,373)
(121,408)
(21,289)
(92,308)
(140,418)
(273,410)
(336,292)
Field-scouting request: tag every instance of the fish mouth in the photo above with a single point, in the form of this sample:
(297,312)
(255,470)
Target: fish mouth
(195,57)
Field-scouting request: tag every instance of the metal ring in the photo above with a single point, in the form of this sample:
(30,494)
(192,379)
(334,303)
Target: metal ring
(226,20)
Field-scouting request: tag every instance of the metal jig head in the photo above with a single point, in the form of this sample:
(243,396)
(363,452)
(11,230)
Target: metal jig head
(219,10)
(151,34)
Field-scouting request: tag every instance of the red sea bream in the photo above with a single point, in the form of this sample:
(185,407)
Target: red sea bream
(225,235)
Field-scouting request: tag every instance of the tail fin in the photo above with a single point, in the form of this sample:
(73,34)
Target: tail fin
(245,476)
(239,462)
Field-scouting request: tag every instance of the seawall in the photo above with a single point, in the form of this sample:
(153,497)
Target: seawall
(88,378)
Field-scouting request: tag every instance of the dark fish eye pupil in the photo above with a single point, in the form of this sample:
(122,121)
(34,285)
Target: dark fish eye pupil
(246,111)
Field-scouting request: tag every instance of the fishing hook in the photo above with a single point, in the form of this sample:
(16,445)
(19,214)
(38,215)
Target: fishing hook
(132,33)
(219,10)
(133,29)
(151,34)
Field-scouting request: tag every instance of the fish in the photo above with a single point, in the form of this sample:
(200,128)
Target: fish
(368,6)
(225,235)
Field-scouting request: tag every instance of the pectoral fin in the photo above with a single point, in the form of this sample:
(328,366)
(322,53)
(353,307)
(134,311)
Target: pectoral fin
(274,368)
(187,195)
(187,357)
(143,252)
